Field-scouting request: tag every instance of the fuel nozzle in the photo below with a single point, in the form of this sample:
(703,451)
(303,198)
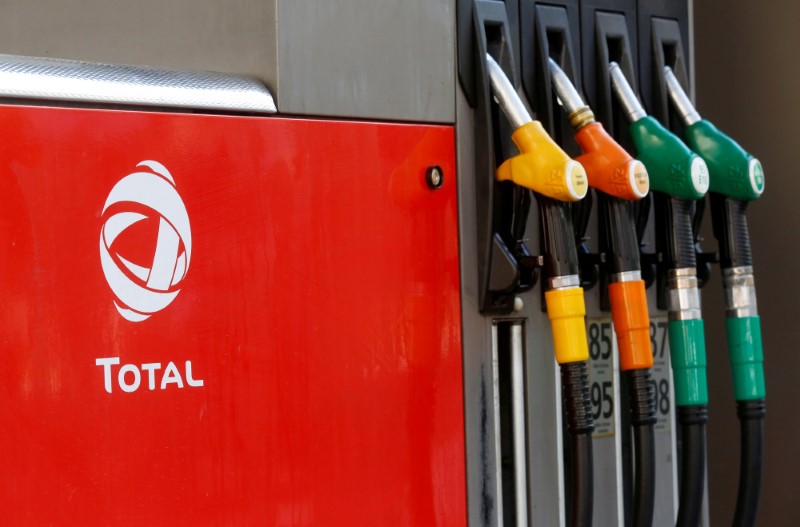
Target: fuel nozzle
(619,176)
(673,168)
(609,167)
(556,179)
(736,179)
(620,179)
(541,166)
(682,176)
(734,172)
(679,177)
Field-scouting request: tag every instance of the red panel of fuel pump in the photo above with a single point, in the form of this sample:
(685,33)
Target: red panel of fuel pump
(215,320)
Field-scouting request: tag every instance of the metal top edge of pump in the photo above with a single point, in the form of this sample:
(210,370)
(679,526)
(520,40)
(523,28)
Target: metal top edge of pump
(89,82)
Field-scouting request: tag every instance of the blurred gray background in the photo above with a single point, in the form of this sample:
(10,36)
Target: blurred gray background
(748,83)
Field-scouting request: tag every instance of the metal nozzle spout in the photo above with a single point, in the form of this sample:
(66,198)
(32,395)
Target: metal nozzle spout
(568,95)
(685,108)
(630,103)
(506,95)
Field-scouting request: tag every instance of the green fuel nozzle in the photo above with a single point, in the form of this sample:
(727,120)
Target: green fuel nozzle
(736,179)
(734,172)
(678,177)
(673,168)
(681,177)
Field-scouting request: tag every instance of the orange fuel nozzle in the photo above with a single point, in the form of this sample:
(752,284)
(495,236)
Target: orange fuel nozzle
(609,167)
(614,172)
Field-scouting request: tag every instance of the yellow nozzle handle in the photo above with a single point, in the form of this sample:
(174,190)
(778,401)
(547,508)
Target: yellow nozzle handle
(543,167)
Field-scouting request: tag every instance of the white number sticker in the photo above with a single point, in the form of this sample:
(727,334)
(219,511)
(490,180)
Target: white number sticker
(602,368)
(662,372)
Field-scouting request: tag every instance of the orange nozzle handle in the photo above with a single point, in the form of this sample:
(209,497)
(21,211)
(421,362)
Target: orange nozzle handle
(542,166)
(632,324)
(609,167)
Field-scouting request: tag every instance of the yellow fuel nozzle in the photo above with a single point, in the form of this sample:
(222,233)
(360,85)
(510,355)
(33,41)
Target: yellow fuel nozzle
(541,166)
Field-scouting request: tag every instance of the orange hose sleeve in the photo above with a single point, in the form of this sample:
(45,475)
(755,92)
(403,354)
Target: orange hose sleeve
(632,324)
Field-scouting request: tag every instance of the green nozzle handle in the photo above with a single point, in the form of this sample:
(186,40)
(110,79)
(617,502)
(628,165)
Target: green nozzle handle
(687,347)
(747,357)
(734,172)
(673,168)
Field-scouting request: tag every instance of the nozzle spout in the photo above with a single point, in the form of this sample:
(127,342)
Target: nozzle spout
(568,95)
(633,108)
(506,95)
(686,110)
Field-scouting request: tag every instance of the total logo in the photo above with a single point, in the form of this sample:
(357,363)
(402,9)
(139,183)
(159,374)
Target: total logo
(145,252)
(142,290)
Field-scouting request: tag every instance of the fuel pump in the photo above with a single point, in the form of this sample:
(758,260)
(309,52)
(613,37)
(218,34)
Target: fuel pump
(619,180)
(678,177)
(736,179)
(556,180)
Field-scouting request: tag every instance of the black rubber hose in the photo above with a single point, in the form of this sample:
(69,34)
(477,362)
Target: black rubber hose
(729,220)
(618,233)
(693,464)
(644,492)
(558,237)
(643,419)
(675,228)
(580,425)
(751,422)
(581,508)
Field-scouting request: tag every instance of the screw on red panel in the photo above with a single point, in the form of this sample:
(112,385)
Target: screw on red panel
(434,177)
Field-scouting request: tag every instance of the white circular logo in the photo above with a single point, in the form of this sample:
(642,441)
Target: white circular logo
(699,172)
(140,290)
(756,173)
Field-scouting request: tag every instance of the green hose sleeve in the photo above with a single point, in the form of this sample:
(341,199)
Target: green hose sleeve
(688,351)
(747,357)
